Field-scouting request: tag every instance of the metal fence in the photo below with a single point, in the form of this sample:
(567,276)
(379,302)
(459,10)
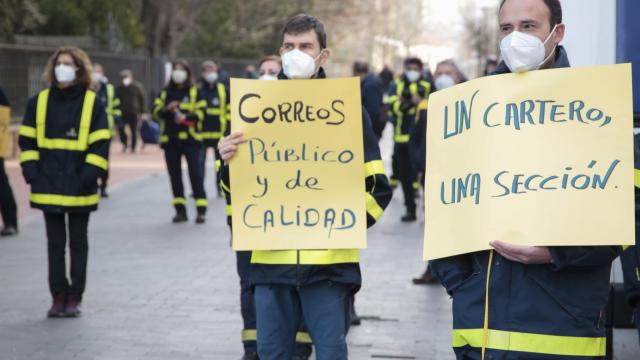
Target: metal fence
(22,66)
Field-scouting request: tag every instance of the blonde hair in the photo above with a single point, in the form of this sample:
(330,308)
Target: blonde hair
(81,60)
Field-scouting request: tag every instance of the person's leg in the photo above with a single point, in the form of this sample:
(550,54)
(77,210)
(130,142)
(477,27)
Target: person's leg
(636,316)
(304,345)
(133,126)
(406,180)
(193,154)
(217,164)
(325,306)
(122,132)
(105,178)
(79,248)
(7,204)
(247,304)
(278,316)
(173,159)
(395,169)
(56,245)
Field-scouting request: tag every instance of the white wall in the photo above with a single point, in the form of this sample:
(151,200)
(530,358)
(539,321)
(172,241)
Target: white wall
(590,38)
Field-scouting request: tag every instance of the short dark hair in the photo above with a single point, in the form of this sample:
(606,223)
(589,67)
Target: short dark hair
(360,67)
(414,61)
(555,8)
(302,23)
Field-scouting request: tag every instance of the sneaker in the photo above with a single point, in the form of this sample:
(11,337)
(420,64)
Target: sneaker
(9,231)
(73,307)
(180,217)
(57,309)
(250,356)
(409,217)
(200,219)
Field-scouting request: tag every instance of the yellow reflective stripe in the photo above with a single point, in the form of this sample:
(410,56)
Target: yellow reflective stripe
(625,247)
(201,202)
(182,135)
(179,201)
(98,161)
(30,132)
(413,88)
(224,186)
(229,210)
(249,335)
(213,111)
(218,164)
(164,138)
(63,200)
(81,143)
(201,104)
(303,337)
(307,257)
(102,134)
(194,134)
(416,185)
(373,167)
(211,135)
(401,139)
(29,155)
(636,177)
(373,208)
(532,343)
(638,273)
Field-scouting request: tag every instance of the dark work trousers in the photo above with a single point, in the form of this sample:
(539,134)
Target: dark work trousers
(130,120)
(102,181)
(248,310)
(406,175)
(56,225)
(174,150)
(395,169)
(324,306)
(7,201)
(216,165)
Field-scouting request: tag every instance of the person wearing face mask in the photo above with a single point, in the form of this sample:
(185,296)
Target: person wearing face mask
(64,139)
(106,95)
(404,96)
(216,115)
(529,302)
(269,67)
(311,285)
(132,105)
(447,75)
(179,109)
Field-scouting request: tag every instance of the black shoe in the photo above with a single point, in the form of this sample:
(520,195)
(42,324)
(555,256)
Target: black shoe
(409,217)
(9,231)
(57,307)
(103,193)
(250,356)
(180,217)
(200,219)
(73,307)
(425,278)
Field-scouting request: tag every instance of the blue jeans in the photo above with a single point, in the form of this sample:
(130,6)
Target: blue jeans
(324,306)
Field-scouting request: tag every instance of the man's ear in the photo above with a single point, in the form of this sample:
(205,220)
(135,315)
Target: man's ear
(324,56)
(558,36)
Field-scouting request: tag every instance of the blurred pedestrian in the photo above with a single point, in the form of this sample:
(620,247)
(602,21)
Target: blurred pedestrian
(447,74)
(105,92)
(490,66)
(371,93)
(250,72)
(216,115)
(64,139)
(8,206)
(180,111)
(132,105)
(386,76)
(404,96)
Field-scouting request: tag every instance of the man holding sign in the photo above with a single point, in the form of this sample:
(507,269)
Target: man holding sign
(521,301)
(295,193)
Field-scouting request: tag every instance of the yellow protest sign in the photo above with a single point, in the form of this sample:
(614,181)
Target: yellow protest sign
(540,158)
(297,183)
(5,121)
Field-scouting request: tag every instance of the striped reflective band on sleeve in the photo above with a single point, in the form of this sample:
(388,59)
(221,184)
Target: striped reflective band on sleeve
(249,335)
(373,167)
(636,177)
(307,257)
(224,186)
(102,134)
(373,208)
(29,155)
(229,211)
(532,343)
(63,200)
(27,131)
(98,161)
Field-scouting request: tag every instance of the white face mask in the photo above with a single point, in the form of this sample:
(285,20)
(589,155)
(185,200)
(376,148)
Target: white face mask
(523,52)
(444,81)
(298,65)
(413,75)
(126,81)
(211,77)
(64,73)
(179,76)
(268,77)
